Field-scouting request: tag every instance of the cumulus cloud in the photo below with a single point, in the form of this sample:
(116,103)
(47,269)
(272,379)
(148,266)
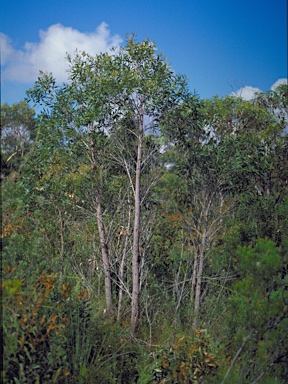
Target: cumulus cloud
(49,54)
(248,92)
(279,82)
(6,49)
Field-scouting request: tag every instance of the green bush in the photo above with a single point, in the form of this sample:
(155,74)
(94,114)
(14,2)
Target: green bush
(191,359)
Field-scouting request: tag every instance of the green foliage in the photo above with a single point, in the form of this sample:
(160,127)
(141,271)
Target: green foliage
(32,334)
(262,261)
(17,134)
(260,302)
(191,359)
(51,335)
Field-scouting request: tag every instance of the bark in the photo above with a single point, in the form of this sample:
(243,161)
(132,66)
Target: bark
(101,232)
(122,264)
(104,252)
(200,252)
(136,236)
(61,228)
(199,278)
(195,266)
(197,245)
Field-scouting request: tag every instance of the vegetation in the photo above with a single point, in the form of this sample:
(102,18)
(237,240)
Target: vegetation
(145,230)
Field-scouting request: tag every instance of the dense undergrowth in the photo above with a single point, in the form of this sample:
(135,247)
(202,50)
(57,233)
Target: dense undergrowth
(55,332)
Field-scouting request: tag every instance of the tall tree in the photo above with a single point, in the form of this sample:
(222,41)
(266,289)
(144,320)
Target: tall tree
(224,147)
(129,89)
(148,88)
(77,134)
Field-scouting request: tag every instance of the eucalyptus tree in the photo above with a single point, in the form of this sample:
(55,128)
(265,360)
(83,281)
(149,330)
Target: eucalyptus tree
(65,129)
(222,151)
(128,90)
(148,89)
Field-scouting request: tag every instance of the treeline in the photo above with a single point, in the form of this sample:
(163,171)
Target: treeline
(145,230)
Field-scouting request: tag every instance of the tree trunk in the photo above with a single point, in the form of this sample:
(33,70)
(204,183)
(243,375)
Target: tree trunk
(196,245)
(122,264)
(199,278)
(104,253)
(136,237)
(101,231)
(201,257)
(61,228)
(195,267)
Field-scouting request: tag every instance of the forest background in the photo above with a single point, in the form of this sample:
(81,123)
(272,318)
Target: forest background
(144,233)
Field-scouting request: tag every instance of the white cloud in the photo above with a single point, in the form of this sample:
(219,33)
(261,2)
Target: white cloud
(6,49)
(50,53)
(279,82)
(246,93)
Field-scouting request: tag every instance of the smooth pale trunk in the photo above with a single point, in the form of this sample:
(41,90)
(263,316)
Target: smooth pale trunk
(199,279)
(200,264)
(104,252)
(101,232)
(195,265)
(122,264)
(136,238)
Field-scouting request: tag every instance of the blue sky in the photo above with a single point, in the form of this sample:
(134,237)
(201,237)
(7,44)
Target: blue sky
(222,46)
